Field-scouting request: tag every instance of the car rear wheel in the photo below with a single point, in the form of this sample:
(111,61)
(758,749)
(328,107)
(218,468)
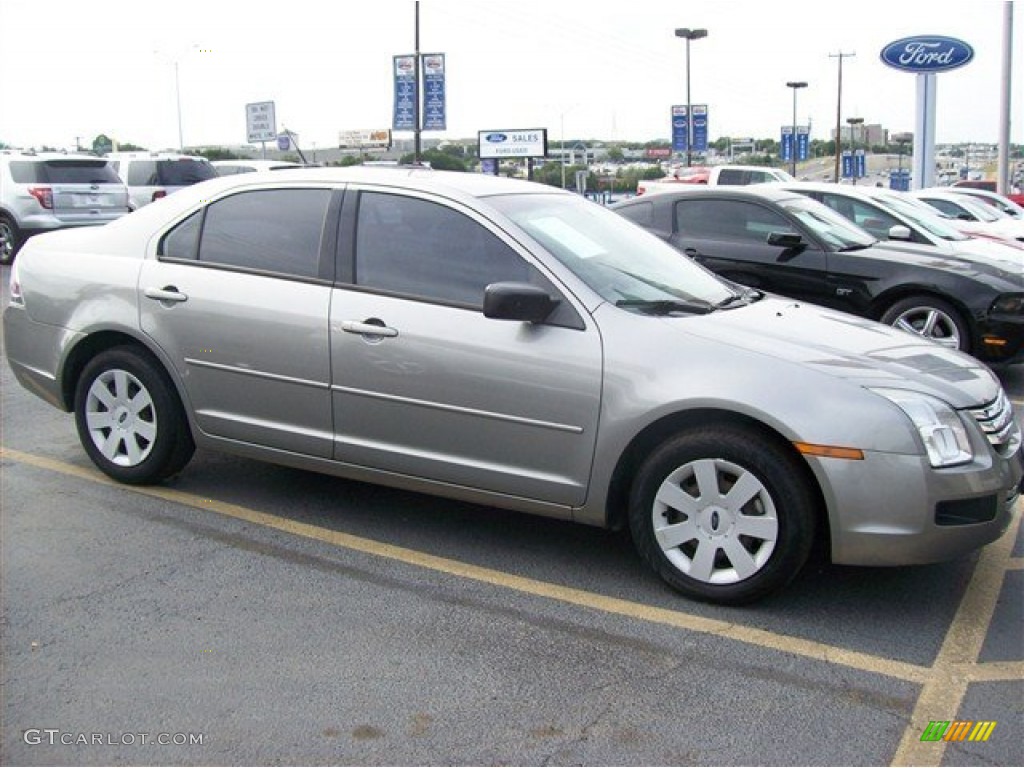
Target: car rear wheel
(932,318)
(9,240)
(129,418)
(723,514)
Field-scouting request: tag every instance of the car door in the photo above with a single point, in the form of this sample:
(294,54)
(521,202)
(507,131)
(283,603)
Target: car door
(237,297)
(424,385)
(731,237)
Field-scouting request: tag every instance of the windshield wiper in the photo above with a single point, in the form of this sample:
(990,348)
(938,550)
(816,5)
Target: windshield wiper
(666,306)
(857,247)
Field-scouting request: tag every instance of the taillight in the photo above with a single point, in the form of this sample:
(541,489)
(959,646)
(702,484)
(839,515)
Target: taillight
(43,194)
(158,194)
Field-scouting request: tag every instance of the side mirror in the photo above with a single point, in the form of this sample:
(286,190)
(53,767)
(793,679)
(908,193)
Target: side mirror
(900,232)
(517,301)
(785,239)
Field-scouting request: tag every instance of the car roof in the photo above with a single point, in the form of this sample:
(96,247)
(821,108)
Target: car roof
(770,191)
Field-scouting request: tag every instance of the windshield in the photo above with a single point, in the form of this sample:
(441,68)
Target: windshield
(836,230)
(618,259)
(921,216)
(981,211)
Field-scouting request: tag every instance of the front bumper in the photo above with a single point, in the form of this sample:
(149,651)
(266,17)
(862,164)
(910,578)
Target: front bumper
(897,510)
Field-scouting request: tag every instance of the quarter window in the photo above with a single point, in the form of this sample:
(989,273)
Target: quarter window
(419,248)
(728,220)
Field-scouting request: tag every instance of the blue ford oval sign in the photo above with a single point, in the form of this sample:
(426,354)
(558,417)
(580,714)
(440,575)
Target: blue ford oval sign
(927,53)
(496,138)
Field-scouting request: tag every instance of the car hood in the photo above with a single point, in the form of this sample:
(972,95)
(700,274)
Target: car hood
(848,347)
(975,257)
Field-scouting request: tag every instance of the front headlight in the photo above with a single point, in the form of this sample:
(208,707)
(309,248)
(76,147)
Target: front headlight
(940,427)
(1009,304)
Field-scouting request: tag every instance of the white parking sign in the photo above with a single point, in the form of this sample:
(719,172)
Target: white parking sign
(260,123)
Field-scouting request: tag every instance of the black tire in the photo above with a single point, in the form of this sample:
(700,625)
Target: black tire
(712,547)
(10,240)
(129,418)
(932,318)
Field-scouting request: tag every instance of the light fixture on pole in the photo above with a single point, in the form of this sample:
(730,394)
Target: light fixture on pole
(689,34)
(793,145)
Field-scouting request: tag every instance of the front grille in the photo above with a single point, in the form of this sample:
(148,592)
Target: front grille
(997,422)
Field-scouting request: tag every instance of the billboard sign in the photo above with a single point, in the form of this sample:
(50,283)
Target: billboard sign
(374,138)
(531,142)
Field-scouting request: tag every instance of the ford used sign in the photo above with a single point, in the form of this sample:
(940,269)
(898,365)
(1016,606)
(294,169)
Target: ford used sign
(927,53)
(531,142)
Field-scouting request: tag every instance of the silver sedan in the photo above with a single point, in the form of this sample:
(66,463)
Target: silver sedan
(510,344)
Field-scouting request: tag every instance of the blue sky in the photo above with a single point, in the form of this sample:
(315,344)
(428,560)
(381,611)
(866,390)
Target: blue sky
(583,69)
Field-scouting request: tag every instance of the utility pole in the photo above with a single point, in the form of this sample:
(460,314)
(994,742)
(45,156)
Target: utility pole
(839,108)
(417,143)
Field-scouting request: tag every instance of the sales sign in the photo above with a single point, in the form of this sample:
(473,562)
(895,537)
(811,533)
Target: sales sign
(405,112)
(433,92)
(514,143)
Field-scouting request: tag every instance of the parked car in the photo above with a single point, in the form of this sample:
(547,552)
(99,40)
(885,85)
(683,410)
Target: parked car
(229,167)
(506,343)
(729,175)
(999,202)
(784,242)
(893,217)
(989,186)
(975,215)
(41,192)
(152,175)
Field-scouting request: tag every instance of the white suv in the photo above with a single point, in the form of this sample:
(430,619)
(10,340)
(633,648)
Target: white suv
(152,175)
(40,192)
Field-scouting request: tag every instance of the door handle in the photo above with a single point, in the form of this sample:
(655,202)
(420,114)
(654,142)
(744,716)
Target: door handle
(372,328)
(167,295)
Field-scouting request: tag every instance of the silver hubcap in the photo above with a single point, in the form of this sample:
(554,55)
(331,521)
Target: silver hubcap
(715,521)
(931,323)
(121,418)
(6,241)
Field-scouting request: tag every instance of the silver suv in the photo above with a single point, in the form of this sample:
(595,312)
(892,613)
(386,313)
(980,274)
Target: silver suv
(152,175)
(47,191)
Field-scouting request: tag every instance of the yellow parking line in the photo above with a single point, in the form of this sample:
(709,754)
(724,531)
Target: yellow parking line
(757,637)
(957,662)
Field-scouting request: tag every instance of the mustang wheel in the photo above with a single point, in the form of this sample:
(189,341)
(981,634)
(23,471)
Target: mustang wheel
(129,418)
(932,318)
(723,514)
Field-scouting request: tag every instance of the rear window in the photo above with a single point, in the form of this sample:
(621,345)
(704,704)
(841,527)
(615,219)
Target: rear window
(179,173)
(63,172)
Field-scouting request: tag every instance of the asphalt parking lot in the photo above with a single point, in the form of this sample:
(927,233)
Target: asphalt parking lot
(246,614)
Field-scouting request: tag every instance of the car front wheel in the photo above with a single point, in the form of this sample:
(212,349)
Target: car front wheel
(723,514)
(931,318)
(129,418)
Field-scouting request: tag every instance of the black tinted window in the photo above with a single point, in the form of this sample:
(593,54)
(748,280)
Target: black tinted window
(182,241)
(180,173)
(63,172)
(733,176)
(269,230)
(641,213)
(424,249)
(141,173)
(728,220)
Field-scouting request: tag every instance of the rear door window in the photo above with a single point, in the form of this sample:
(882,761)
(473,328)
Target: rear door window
(183,172)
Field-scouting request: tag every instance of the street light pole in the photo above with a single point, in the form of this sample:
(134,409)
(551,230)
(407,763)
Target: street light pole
(688,35)
(793,145)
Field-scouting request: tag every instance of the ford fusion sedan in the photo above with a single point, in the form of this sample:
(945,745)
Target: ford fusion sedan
(510,344)
(782,241)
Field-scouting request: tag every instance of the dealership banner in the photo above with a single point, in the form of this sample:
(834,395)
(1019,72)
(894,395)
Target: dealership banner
(405,93)
(680,126)
(434,117)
